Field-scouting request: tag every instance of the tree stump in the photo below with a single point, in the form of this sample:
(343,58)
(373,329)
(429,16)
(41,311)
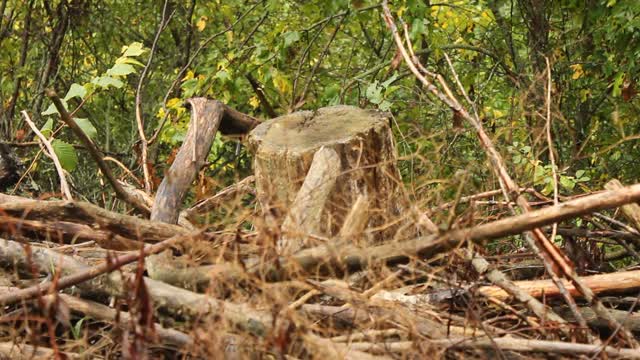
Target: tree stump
(363,143)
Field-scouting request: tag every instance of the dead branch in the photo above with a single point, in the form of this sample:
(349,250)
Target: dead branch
(84,213)
(427,246)
(101,312)
(503,343)
(173,299)
(67,232)
(64,187)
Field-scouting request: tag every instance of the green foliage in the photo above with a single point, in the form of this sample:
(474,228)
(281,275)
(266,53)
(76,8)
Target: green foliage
(66,154)
(305,55)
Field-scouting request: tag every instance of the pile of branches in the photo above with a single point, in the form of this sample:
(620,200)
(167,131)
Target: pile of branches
(82,281)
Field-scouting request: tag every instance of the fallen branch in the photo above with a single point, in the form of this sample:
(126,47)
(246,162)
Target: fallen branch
(67,232)
(503,343)
(428,246)
(173,299)
(81,212)
(102,312)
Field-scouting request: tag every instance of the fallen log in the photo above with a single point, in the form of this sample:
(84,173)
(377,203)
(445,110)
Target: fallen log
(503,343)
(128,226)
(173,299)
(65,232)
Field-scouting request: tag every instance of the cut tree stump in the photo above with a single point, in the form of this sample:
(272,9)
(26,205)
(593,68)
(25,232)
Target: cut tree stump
(360,140)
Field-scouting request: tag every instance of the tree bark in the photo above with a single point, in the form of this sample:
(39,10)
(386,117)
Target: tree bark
(284,149)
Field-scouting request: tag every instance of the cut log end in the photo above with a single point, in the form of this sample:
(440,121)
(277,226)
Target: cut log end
(308,130)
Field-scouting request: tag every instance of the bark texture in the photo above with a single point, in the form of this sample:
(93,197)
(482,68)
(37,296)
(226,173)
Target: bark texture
(284,149)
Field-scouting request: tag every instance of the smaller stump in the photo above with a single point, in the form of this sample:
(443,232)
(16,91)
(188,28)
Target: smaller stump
(284,149)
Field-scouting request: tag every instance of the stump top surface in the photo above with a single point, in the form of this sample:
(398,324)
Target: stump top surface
(307,130)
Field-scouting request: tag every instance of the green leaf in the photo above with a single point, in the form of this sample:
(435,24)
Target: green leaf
(47,129)
(390,80)
(76,90)
(75,330)
(617,84)
(579,173)
(374,93)
(52,109)
(127,60)
(134,49)
(66,154)
(121,70)
(87,127)
(222,75)
(106,81)
(291,37)
(384,105)
(567,182)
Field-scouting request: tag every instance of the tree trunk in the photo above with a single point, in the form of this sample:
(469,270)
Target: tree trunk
(284,149)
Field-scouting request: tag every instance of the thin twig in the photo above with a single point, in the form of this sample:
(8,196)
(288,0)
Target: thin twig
(164,21)
(64,187)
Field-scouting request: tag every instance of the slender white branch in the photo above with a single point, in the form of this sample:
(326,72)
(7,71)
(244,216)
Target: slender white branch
(64,187)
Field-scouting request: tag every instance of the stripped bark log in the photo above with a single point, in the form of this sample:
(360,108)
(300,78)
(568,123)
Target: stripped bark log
(206,117)
(304,217)
(632,210)
(503,343)
(205,120)
(16,351)
(603,283)
(327,349)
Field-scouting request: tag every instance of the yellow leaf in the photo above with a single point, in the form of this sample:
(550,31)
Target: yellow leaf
(577,71)
(189,76)
(281,83)
(202,23)
(160,113)
(401,11)
(584,94)
(254,102)
(173,103)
